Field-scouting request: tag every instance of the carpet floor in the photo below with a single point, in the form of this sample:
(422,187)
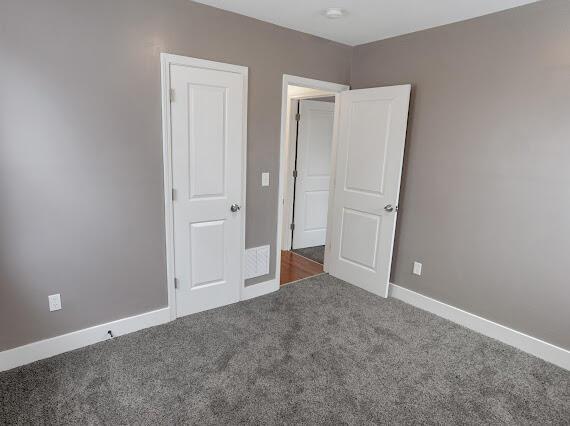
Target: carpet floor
(319,351)
(316,253)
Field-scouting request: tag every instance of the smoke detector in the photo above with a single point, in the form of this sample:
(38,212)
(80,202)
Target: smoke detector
(335,13)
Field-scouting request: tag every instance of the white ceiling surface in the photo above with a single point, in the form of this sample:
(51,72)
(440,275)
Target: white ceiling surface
(367,20)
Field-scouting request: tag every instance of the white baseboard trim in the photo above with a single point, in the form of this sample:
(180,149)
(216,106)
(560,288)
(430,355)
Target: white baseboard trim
(35,351)
(256,290)
(47,348)
(524,342)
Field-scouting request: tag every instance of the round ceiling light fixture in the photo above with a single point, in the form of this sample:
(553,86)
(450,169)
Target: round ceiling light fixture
(335,13)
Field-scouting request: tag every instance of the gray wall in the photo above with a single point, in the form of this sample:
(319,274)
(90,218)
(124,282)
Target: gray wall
(486,191)
(81,198)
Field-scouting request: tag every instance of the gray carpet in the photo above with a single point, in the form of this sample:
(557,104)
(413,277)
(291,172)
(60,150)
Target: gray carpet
(316,253)
(316,352)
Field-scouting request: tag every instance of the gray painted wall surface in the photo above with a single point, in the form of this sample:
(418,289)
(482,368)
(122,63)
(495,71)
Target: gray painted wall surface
(81,191)
(486,189)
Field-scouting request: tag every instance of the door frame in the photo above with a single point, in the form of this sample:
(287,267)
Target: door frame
(333,88)
(166,60)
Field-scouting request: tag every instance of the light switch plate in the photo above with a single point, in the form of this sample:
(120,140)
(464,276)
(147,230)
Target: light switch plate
(417,268)
(54,302)
(265,179)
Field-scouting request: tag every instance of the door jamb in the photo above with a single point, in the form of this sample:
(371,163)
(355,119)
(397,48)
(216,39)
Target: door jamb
(166,60)
(311,84)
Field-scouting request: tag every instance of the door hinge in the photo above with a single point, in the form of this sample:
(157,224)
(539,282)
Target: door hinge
(297,117)
(176,284)
(173,194)
(292,226)
(171,95)
(295,174)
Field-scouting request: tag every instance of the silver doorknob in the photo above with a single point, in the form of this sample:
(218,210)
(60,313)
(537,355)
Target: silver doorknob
(235,208)
(389,208)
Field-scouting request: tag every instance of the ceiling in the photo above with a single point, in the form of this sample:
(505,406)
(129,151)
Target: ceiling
(367,20)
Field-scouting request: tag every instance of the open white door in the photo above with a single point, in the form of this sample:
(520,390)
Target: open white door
(371,134)
(207,110)
(314,142)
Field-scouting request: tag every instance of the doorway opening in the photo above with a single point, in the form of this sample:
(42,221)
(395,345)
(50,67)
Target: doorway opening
(306,168)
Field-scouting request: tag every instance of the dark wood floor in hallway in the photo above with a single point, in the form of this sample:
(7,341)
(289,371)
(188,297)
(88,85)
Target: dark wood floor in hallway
(296,267)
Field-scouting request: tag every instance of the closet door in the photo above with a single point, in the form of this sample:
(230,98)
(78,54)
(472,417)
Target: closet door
(207,113)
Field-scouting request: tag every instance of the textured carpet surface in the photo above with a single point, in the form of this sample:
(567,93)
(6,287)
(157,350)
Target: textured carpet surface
(316,253)
(316,352)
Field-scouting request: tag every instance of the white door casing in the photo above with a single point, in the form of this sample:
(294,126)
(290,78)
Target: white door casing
(370,135)
(291,80)
(313,173)
(207,112)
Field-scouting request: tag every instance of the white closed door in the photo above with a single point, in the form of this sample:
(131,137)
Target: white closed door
(207,111)
(371,137)
(316,122)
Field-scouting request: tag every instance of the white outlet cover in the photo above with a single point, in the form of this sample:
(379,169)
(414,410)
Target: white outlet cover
(417,268)
(265,179)
(54,302)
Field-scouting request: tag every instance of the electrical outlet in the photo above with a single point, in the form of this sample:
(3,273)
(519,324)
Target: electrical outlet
(417,268)
(265,179)
(54,302)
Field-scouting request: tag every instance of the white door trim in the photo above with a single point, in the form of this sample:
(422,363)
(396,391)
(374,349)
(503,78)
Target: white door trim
(41,349)
(166,61)
(311,84)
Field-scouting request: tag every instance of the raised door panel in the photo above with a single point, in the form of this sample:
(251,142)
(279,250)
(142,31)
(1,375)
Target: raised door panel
(207,251)
(367,139)
(207,140)
(359,238)
(317,203)
(318,151)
